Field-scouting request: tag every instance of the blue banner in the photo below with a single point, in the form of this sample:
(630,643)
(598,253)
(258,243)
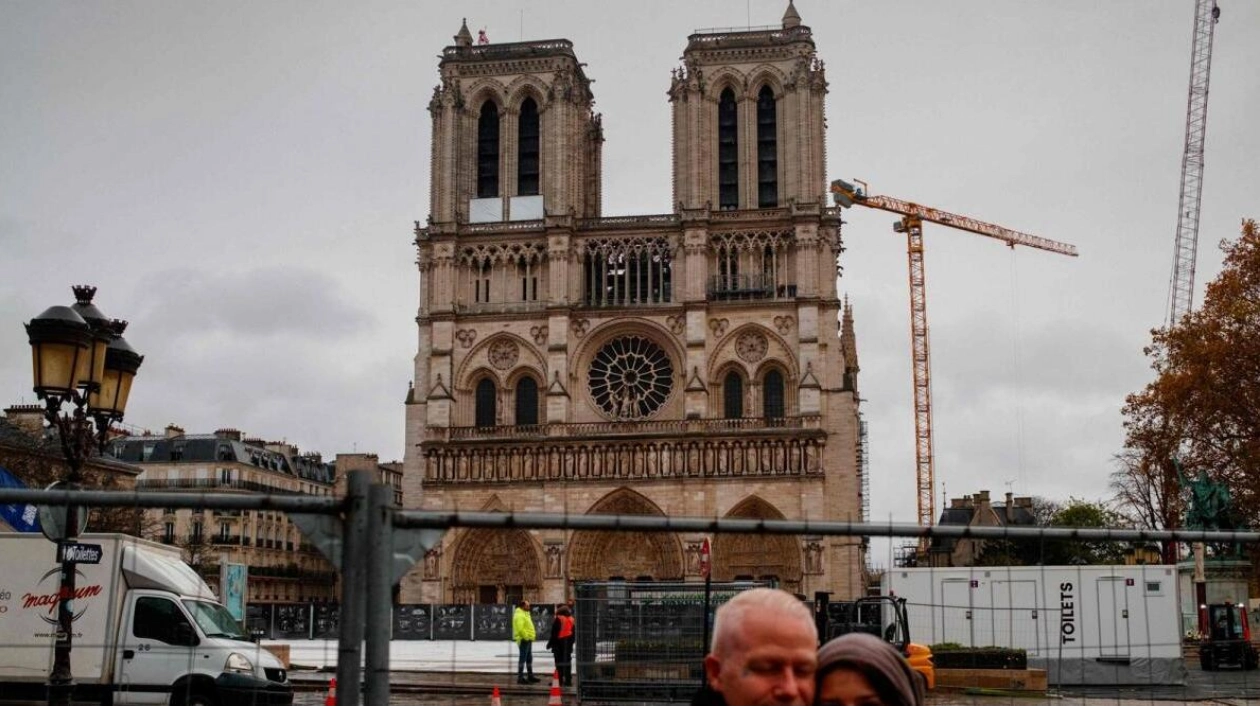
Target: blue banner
(22,517)
(235,578)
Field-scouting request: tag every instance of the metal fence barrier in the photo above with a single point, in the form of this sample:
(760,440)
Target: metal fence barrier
(369,519)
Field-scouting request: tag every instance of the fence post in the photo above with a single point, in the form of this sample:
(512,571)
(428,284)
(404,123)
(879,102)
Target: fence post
(353,589)
(380,615)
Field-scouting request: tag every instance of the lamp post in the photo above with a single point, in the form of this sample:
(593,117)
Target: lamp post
(78,357)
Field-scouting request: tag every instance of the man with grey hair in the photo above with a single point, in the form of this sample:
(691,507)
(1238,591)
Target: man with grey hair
(764,651)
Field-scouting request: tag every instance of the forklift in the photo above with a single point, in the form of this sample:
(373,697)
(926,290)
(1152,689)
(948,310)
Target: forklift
(1226,637)
(881,616)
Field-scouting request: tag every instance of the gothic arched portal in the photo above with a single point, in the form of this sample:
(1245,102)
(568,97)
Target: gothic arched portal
(753,556)
(603,554)
(491,560)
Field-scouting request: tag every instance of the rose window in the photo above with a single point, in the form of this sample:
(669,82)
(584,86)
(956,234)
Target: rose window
(751,346)
(504,354)
(630,378)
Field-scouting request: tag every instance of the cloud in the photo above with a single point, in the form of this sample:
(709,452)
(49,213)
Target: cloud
(266,302)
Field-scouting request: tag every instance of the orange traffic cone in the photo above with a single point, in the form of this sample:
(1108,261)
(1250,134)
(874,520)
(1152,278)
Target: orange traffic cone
(331,697)
(495,699)
(554,699)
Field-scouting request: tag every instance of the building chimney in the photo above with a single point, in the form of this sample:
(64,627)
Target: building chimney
(228,433)
(346,463)
(1010,508)
(282,447)
(28,418)
(174,430)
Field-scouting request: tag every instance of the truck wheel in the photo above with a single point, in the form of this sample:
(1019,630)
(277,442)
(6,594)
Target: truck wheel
(199,698)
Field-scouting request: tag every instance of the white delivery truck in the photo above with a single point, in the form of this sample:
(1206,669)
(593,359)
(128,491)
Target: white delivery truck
(147,629)
(1086,624)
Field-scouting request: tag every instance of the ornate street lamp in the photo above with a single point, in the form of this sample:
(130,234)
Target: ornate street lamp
(78,357)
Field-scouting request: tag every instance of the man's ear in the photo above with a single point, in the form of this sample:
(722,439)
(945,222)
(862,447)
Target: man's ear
(712,668)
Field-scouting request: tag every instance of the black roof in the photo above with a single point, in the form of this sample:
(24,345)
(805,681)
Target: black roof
(211,448)
(962,516)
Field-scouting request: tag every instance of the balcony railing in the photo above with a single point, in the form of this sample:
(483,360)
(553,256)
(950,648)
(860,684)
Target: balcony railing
(657,298)
(750,286)
(500,307)
(626,428)
(225,540)
(291,572)
(235,484)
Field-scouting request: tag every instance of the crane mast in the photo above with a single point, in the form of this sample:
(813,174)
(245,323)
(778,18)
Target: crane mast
(1186,246)
(911,223)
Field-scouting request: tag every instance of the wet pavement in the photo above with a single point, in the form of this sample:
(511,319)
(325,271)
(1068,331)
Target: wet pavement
(458,688)
(466,672)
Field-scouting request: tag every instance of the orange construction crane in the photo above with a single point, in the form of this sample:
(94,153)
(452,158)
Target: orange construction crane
(911,224)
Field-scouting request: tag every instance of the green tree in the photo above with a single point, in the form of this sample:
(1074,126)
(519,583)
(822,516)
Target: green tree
(1086,514)
(1076,513)
(1204,403)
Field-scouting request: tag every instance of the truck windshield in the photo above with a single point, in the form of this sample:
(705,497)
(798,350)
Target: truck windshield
(214,620)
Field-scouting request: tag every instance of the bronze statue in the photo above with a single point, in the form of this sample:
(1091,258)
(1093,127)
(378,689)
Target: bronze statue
(1211,507)
(1210,502)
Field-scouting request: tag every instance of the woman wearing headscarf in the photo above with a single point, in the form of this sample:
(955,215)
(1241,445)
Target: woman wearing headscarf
(860,669)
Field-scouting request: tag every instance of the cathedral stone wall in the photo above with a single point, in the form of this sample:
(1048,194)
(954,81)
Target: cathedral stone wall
(691,363)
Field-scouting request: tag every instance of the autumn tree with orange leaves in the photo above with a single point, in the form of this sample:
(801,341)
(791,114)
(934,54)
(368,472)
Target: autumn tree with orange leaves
(1204,403)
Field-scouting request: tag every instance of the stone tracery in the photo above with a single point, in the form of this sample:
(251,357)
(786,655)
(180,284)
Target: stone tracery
(630,378)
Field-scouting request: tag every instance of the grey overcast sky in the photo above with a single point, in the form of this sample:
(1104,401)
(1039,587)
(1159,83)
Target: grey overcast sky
(240,178)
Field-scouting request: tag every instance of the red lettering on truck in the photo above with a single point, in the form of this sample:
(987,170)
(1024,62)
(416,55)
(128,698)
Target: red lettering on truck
(30,601)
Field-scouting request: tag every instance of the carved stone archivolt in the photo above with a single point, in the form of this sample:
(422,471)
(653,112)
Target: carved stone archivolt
(606,554)
(504,353)
(751,346)
(750,555)
(499,557)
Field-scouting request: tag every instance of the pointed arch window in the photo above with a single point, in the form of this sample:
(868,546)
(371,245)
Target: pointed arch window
(485,400)
(527,160)
(728,152)
(488,151)
(772,394)
(732,395)
(767,150)
(527,401)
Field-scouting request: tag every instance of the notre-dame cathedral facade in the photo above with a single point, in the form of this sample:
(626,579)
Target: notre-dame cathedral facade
(691,363)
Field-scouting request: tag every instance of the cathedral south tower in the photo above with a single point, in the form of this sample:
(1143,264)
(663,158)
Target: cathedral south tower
(696,362)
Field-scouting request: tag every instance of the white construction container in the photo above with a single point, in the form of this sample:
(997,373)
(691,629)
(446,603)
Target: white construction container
(1087,624)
